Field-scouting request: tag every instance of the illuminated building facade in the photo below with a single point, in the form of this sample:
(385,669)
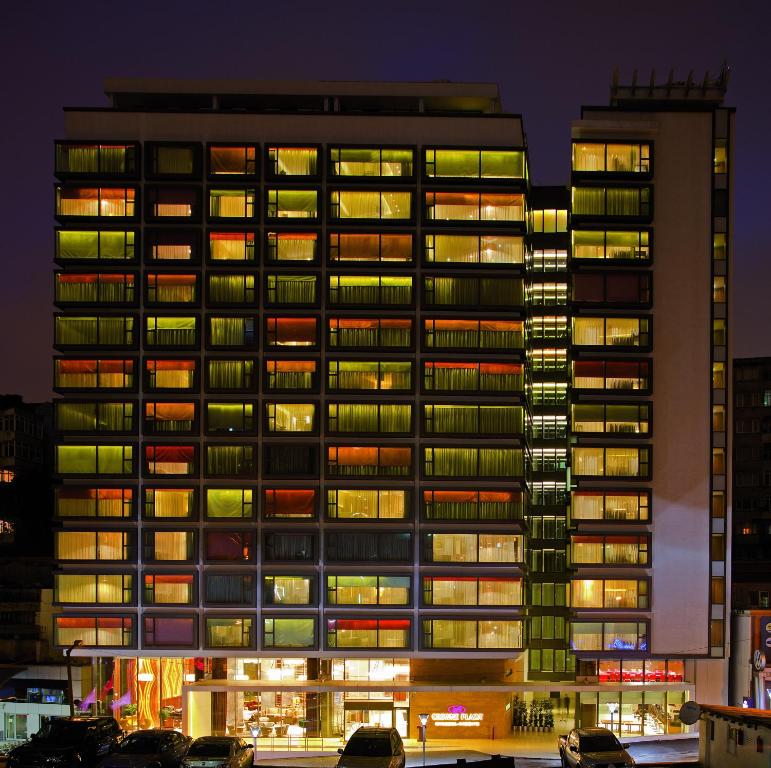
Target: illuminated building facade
(345,399)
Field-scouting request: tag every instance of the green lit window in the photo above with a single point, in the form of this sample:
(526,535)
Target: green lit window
(548,220)
(171,331)
(369,461)
(229,503)
(113,159)
(230,161)
(475,163)
(362,161)
(232,203)
(359,204)
(170,374)
(232,246)
(612,201)
(290,417)
(609,593)
(490,634)
(115,331)
(370,289)
(484,292)
(113,546)
(367,504)
(169,503)
(292,246)
(94,632)
(368,633)
(293,204)
(376,418)
(287,590)
(92,245)
(474,206)
(232,331)
(70,288)
(368,590)
(289,633)
(230,417)
(233,632)
(601,157)
(475,249)
(473,419)
(473,548)
(293,161)
(548,594)
(473,505)
(621,419)
(290,375)
(93,589)
(231,289)
(94,459)
(291,289)
(95,202)
(231,375)
(611,505)
(352,375)
(162,418)
(374,247)
(172,289)
(471,590)
(611,331)
(231,460)
(602,244)
(78,501)
(367,333)
(473,462)
(94,417)
(611,462)
(474,334)
(473,377)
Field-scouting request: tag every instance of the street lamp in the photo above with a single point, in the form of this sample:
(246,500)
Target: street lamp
(423,717)
(68,654)
(613,708)
(255,729)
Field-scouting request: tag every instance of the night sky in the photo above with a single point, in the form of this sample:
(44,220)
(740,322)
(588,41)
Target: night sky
(549,58)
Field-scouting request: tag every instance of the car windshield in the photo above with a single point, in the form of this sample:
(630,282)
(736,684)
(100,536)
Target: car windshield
(599,743)
(368,746)
(139,744)
(209,749)
(66,733)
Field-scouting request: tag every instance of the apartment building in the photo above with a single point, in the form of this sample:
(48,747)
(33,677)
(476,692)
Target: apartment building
(353,417)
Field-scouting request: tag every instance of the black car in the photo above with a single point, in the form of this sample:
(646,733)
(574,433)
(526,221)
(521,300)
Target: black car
(68,742)
(219,752)
(370,747)
(153,748)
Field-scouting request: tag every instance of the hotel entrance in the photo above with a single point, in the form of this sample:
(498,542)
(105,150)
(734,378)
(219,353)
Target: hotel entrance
(376,715)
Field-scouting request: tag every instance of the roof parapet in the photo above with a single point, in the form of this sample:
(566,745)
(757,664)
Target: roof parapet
(709,90)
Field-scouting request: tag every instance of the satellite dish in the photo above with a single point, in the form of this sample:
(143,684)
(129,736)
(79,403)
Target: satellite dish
(690,712)
(759,661)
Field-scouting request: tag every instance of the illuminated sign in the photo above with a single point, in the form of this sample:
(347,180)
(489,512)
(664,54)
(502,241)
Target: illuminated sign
(457,716)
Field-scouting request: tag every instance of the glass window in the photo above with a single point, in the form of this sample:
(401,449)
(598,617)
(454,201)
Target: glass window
(374,247)
(102,331)
(609,550)
(77,501)
(168,589)
(232,331)
(170,459)
(230,417)
(93,245)
(478,292)
(169,503)
(114,546)
(232,203)
(290,375)
(231,289)
(368,590)
(368,333)
(473,419)
(96,202)
(293,204)
(474,334)
(289,633)
(286,289)
(474,206)
(471,590)
(361,204)
(231,460)
(289,504)
(475,163)
(611,375)
(368,633)
(450,634)
(621,419)
(293,161)
(160,418)
(292,246)
(94,459)
(611,505)
(171,331)
(290,417)
(473,505)
(612,201)
(227,546)
(113,288)
(173,202)
(369,417)
(230,375)
(94,417)
(105,159)
(91,588)
(93,631)
(291,331)
(611,462)
(611,288)
(474,249)
(473,462)
(369,461)
(228,161)
(173,160)
(229,503)
(473,377)
(169,632)
(364,546)
(360,503)
(168,546)
(170,374)
(611,331)
(173,246)
(229,589)
(611,157)
(611,245)
(232,246)
(364,161)
(171,289)
(473,548)
(609,593)
(287,590)
(289,547)
(353,375)
(370,289)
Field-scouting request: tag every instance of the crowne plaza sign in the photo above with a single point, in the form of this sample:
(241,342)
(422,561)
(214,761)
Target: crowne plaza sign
(455,716)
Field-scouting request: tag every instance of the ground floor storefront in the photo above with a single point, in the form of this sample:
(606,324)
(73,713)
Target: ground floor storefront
(282,702)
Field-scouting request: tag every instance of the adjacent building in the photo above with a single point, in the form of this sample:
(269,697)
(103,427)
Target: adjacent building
(353,417)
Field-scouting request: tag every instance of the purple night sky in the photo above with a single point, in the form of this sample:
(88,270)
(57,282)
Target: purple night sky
(549,58)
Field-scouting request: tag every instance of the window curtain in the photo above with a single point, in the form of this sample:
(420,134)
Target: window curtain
(76,545)
(74,245)
(289,374)
(229,633)
(494,377)
(230,459)
(76,588)
(586,636)
(228,247)
(230,374)
(170,459)
(453,591)
(622,507)
(623,202)
(81,159)
(171,252)
(501,292)
(170,502)
(452,633)
(76,330)
(295,247)
(620,594)
(288,546)
(290,633)
(288,460)
(170,417)
(291,590)
(500,591)
(172,589)
(170,545)
(174,160)
(173,374)
(500,548)
(623,552)
(358,546)
(453,547)
(225,502)
(589,331)
(295,161)
(622,462)
(230,204)
(171,331)
(587,549)
(589,461)
(294,289)
(588,201)
(175,289)
(456,249)
(587,507)
(293,204)
(623,331)
(228,331)
(228,588)
(500,634)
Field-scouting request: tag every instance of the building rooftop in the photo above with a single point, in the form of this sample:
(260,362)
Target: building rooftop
(740,714)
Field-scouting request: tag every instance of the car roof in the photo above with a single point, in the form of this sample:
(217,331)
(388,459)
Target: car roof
(368,730)
(153,731)
(594,732)
(217,739)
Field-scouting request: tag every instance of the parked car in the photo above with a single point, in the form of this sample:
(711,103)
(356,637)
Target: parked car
(68,742)
(593,748)
(373,748)
(219,752)
(153,748)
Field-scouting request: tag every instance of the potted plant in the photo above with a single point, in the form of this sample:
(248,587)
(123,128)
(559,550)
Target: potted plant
(548,715)
(165,713)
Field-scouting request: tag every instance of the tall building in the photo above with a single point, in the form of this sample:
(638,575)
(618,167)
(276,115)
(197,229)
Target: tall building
(356,423)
